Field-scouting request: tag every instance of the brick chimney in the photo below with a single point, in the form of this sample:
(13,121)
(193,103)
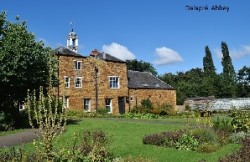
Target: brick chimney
(94,53)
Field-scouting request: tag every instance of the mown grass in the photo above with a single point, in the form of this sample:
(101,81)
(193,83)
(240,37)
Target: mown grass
(126,139)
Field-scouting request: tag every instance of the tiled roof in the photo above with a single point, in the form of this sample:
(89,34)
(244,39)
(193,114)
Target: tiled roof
(108,57)
(63,51)
(145,80)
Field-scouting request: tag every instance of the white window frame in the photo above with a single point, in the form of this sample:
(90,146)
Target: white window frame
(66,83)
(77,65)
(114,82)
(80,84)
(108,106)
(66,102)
(21,106)
(87,104)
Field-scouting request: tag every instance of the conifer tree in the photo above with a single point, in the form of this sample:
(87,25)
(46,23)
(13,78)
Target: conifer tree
(228,75)
(208,64)
(209,80)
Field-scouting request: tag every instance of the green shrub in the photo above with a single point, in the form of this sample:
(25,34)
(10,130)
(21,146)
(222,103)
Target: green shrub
(187,142)
(102,111)
(12,154)
(164,109)
(237,137)
(139,116)
(91,146)
(204,134)
(208,147)
(167,139)
(146,106)
(188,114)
(187,107)
(4,125)
(80,114)
(49,118)
(241,120)
(202,139)
(154,139)
(223,124)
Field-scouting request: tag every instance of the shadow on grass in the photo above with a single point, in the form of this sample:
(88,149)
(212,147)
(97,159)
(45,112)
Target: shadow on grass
(73,121)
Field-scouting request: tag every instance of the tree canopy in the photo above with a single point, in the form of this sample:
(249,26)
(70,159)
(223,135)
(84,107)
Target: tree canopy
(25,64)
(141,66)
(243,82)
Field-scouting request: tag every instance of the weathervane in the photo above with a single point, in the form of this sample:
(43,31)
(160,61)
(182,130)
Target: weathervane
(72,26)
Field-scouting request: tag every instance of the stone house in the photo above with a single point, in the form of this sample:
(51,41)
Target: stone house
(143,85)
(103,81)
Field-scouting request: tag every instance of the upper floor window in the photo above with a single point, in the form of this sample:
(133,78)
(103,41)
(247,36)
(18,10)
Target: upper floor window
(66,81)
(78,82)
(114,82)
(77,65)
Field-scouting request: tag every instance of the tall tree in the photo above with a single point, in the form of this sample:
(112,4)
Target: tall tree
(25,64)
(208,64)
(141,66)
(209,84)
(243,82)
(187,84)
(229,77)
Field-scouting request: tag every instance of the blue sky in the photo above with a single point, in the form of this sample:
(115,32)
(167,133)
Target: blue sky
(166,33)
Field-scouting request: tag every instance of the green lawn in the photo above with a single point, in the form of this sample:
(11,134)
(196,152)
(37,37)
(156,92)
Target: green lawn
(126,136)
(126,139)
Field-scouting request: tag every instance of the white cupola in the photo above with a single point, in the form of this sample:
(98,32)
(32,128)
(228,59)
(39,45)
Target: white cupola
(72,41)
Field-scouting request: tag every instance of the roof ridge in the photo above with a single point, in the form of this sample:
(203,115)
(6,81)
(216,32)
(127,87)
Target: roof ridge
(161,80)
(141,71)
(66,51)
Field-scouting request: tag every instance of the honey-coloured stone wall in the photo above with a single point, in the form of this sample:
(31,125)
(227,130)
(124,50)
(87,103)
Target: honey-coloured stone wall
(105,69)
(156,96)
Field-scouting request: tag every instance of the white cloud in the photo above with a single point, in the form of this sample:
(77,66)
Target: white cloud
(166,56)
(118,51)
(241,52)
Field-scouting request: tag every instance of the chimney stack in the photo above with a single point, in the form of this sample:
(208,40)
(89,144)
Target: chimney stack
(94,53)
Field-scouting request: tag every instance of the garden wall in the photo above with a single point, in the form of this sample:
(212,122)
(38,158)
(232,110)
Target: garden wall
(227,103)
(218,104)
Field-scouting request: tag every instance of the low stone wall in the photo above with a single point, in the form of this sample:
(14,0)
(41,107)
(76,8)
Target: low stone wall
(227,103)
(219,104)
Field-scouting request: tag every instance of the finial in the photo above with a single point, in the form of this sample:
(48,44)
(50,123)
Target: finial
(72,26)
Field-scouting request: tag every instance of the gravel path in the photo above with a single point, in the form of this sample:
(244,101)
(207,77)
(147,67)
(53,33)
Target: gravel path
(28,135)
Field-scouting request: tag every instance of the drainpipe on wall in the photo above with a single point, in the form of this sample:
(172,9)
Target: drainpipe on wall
(58,92)
(96,88)
(128,91)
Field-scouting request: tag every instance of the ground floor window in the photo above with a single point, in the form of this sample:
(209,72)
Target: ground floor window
(21,106)
(86,104)
(108,103)
(66,102)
